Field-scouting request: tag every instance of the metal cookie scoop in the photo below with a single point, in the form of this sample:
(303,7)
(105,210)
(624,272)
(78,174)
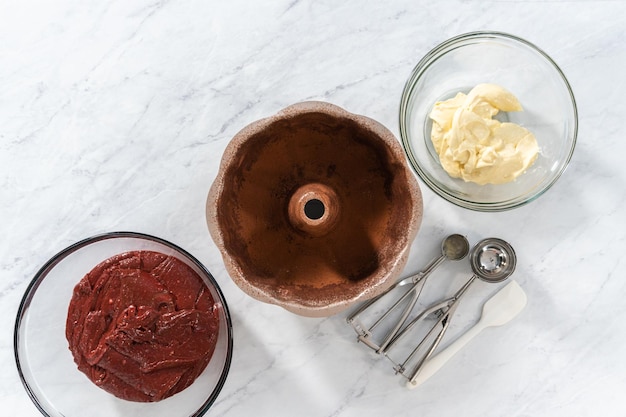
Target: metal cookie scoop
(453,247)
(492,260)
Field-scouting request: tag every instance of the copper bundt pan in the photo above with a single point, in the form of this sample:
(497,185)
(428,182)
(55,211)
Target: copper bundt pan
(314,209)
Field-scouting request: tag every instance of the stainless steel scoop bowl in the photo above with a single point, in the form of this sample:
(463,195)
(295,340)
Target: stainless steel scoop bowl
(493,260)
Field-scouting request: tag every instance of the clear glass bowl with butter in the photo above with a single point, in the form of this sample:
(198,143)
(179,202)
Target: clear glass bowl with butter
(549,113)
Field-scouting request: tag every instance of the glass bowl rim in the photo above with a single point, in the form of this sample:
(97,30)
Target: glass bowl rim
(416,73)
(43,272)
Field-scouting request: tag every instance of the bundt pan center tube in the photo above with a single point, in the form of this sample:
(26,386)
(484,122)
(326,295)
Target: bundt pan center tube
(314,209)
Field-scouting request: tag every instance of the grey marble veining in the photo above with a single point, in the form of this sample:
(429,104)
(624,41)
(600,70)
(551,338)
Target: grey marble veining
(114,116)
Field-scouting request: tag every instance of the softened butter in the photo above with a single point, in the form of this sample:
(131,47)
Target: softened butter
(472,145)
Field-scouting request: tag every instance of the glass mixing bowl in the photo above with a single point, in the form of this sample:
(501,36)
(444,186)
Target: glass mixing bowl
(459,64)
(45,363)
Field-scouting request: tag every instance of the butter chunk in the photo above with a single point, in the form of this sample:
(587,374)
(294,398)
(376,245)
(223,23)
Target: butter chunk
(475,147)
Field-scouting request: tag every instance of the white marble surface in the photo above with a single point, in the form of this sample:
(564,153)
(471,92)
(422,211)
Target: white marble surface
(114,116)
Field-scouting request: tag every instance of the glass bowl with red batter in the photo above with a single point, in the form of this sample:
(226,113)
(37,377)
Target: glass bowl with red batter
(123,324)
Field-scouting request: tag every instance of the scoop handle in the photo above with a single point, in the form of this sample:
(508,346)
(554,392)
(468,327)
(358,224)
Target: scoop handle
(439,360)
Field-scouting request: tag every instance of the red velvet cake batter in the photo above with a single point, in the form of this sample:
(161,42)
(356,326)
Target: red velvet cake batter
(142,325)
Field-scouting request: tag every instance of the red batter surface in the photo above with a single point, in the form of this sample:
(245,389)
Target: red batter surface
(142,325)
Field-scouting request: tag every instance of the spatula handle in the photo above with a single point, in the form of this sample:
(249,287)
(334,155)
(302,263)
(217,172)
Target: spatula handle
(437,361)
(507,303)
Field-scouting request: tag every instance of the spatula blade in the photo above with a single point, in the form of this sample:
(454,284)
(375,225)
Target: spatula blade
(507,303)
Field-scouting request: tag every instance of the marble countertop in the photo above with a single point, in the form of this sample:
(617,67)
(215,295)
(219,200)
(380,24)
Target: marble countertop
(114,116)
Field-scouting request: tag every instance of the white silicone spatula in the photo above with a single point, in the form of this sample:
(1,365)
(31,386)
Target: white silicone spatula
(498,310)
